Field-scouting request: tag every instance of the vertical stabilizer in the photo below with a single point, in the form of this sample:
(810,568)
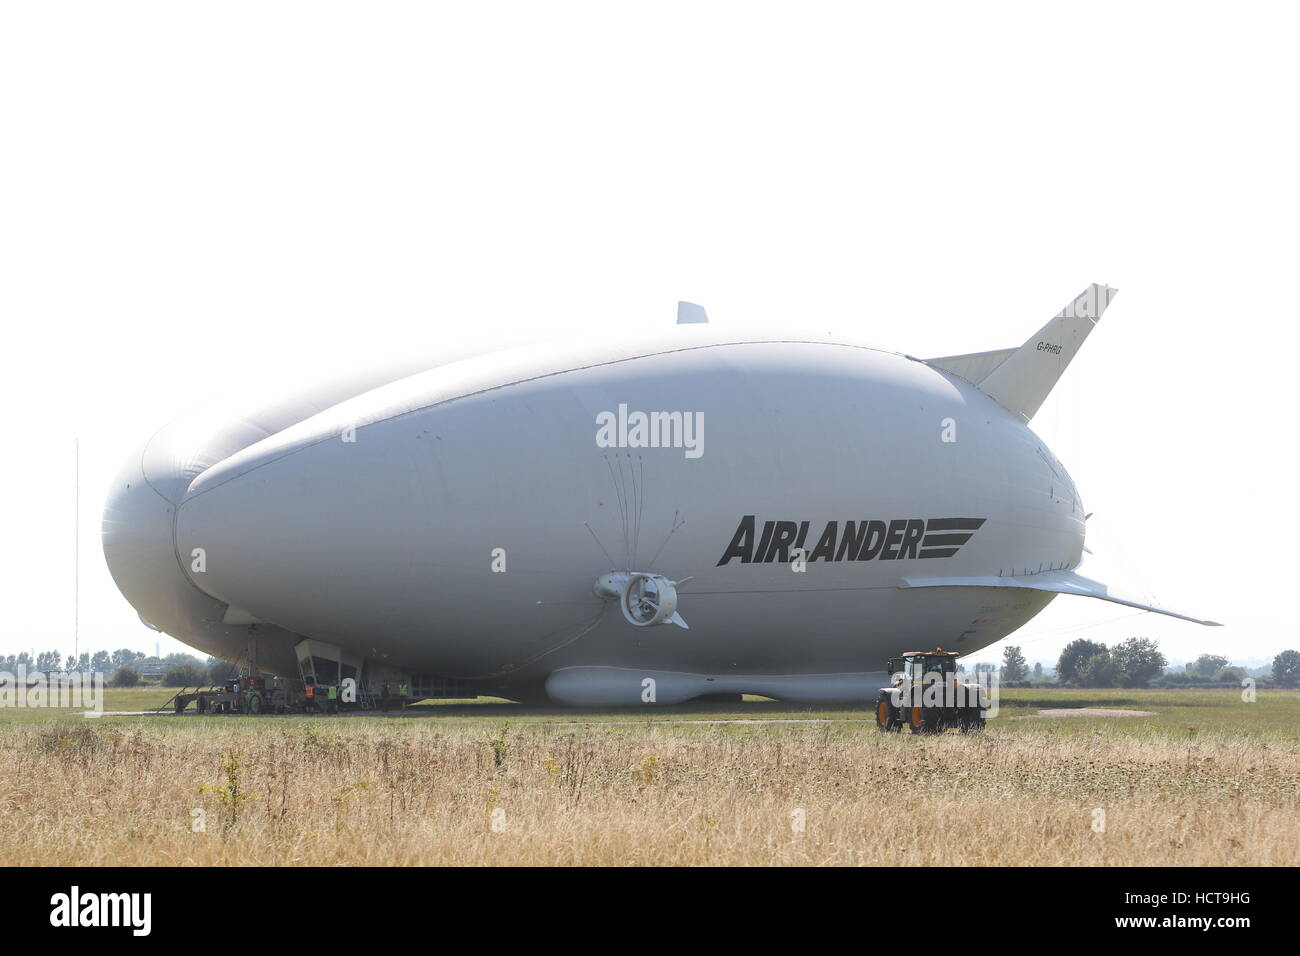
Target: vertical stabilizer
(1024,379)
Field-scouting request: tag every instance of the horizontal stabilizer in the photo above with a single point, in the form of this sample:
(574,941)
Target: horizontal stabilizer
(1062,582)
(1021,379)
(974,367)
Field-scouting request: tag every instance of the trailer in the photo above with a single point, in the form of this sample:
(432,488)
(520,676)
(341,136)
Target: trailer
(250,694)
(329,681)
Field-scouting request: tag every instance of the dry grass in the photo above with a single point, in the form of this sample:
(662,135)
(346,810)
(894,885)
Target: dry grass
(420,792)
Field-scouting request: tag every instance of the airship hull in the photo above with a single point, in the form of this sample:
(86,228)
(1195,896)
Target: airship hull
(816,506)
(387,534)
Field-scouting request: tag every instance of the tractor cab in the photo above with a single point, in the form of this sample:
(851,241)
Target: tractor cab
(915,665)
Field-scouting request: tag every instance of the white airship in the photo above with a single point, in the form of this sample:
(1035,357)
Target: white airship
(617,522)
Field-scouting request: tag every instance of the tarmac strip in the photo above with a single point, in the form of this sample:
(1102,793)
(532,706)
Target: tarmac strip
(1085,712)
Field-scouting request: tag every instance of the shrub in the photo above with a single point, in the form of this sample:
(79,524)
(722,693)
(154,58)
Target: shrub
(183,675)
(1286,668)
(1073,658)
(1139,661)
(1100,670)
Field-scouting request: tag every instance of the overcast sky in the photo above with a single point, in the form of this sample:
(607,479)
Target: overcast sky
(201,197)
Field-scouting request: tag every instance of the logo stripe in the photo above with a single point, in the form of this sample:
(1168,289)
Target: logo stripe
(954,524)
(945,539)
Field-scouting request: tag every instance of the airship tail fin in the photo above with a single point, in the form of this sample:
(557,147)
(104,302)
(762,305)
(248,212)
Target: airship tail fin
(1021,379)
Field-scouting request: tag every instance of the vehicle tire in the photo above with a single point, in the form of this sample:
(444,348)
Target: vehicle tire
(925,720)
(886,714)
(253,706)
(915,719)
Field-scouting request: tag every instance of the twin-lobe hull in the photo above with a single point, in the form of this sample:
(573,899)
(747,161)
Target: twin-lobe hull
(454,522)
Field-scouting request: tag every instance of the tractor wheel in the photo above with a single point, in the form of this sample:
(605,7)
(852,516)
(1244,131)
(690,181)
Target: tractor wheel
(886,714)
(972,720)
(925,720)
(915,719)
(253,707)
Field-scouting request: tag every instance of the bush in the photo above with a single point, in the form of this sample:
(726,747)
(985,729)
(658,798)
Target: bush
(1207,665)
(126,677)
(1100,670)
(1139,661)
(183,675)
(220,671)
(1076,654)
(1286,668)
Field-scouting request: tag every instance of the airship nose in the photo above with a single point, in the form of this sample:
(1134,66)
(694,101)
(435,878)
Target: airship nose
(140,552)
(304,537)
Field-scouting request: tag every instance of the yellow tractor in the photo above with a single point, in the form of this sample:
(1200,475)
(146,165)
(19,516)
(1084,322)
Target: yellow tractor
(925,694)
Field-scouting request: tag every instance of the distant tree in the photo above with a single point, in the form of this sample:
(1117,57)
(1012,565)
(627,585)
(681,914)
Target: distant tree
(1231,675)
(126,657)
(1013,664)
(69,663)
(1286,668)
(126,677)
(220,671)
(48,660)
(183,675)
(1138,660)
(1038,670)
(1207,665)
(1100,670)
(101,662)
(179,658)
(1074,656)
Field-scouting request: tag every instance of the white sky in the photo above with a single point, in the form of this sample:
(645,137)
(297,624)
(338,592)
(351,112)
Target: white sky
(195,197)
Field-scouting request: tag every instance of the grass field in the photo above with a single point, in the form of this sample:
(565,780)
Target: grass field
(1208,780)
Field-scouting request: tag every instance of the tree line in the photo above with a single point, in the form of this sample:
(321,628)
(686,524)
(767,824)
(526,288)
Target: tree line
(1137,662)
(123,667)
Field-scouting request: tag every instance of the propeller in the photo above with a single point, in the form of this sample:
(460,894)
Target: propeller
(645,599)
